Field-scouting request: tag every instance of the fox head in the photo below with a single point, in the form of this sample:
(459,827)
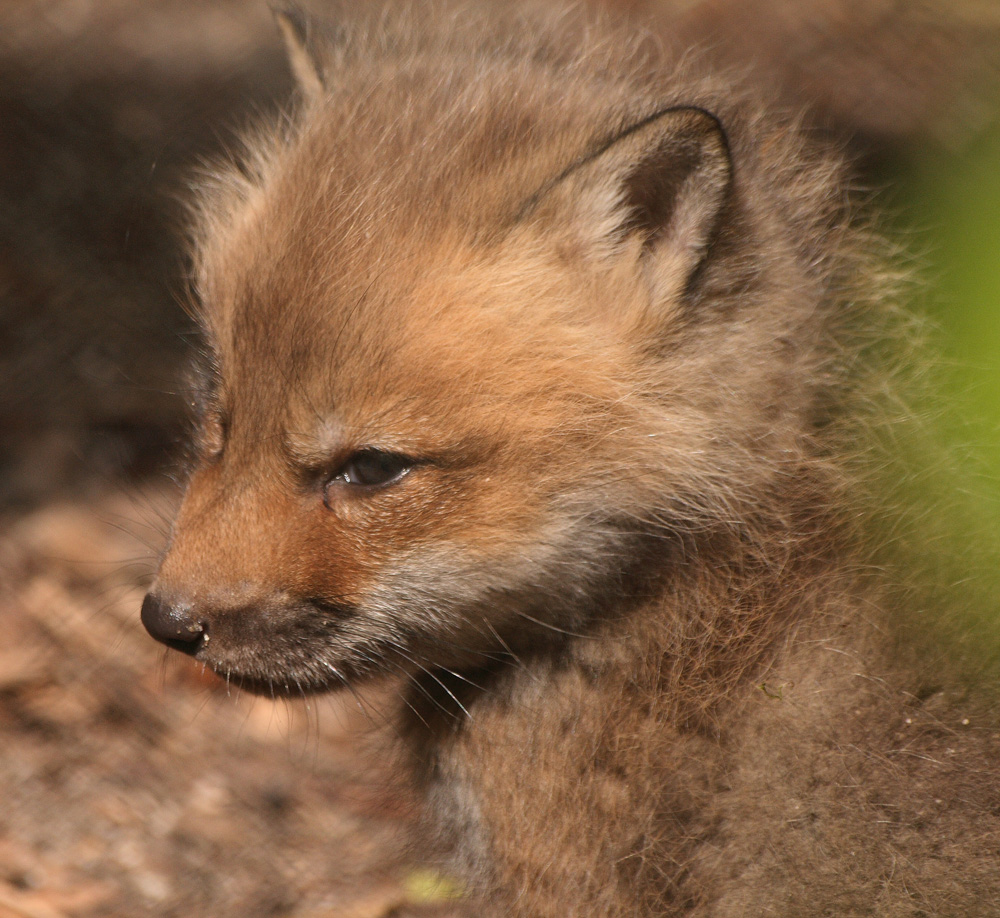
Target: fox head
(489,352)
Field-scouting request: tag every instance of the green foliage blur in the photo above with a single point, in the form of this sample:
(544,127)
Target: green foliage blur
(947,217)
(950,212)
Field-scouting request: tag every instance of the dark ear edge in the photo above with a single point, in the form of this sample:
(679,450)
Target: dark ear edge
(296,30)
(670,175)
(682,180)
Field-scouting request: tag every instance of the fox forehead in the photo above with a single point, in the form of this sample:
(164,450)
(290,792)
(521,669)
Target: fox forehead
(424,357)
(400,295)
(383,194)
(345,328)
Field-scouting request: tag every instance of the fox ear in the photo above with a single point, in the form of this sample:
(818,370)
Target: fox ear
(296,30)
(659,186)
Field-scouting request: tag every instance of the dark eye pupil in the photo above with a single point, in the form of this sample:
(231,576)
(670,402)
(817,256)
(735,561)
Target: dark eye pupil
(372,467)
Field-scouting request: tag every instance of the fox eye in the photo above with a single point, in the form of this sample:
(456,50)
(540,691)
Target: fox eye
(371,468)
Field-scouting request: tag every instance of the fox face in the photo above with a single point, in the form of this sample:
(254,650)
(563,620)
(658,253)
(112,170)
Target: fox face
(473,377)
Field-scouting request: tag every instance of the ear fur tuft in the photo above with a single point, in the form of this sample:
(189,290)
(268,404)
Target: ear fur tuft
(296,30)
(664,180)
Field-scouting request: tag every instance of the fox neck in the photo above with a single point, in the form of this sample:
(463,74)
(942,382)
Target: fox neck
(693,637)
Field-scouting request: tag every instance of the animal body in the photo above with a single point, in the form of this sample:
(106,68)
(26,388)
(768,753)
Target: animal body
(526,358)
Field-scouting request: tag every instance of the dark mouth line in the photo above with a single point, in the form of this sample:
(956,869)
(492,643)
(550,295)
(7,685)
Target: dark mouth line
(278,688)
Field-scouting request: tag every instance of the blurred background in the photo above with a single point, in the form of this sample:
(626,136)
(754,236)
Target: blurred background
(134,785)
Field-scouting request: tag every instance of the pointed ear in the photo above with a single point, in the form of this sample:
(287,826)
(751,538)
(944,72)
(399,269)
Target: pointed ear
(659,186)
(296,30)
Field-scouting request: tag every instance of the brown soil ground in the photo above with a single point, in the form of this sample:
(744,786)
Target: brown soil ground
(135,785)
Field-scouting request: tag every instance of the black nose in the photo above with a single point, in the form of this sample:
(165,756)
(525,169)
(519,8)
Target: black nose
(172,624)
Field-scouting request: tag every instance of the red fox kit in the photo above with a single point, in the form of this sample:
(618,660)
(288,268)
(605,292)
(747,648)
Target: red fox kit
(524,361)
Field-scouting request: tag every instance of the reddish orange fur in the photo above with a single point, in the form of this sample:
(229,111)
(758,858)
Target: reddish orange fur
(645,676)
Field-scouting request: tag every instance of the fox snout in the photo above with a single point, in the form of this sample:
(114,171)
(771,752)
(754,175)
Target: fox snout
(267,642)
(225,591)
